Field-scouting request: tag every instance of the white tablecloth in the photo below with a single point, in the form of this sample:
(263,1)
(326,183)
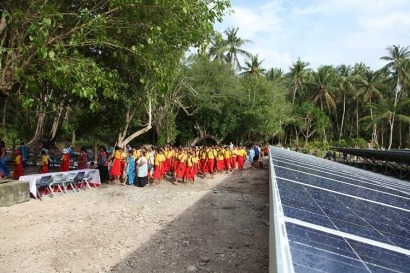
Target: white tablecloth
(33,178)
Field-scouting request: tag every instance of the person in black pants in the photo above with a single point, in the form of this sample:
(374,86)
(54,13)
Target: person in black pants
(142,170)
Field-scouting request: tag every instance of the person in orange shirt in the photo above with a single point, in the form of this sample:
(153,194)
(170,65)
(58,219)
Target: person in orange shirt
(65,161)
(18,165)
(116,165)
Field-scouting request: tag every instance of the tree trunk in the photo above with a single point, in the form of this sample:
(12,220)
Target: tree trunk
(343,117)
(5,111)
(122,139)
(400,137)
(357,119)
(56,121)
(200,138)
(73,140)
(391,123)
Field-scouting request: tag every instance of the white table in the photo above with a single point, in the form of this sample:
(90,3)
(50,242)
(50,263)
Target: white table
(33,178)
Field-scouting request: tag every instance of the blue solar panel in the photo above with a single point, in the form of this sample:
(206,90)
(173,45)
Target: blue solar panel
(341,219)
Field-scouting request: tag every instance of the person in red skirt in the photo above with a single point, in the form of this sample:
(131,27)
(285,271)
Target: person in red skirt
(83,159)
(195,161)
(202,162)
(157,168)
(167,162)
(18,165)
(234,158)
(227,158)
(181,169)
(116,165)
(241,157)
(65,161)
(220,164)
(210,161)
(44,162)
(190,171)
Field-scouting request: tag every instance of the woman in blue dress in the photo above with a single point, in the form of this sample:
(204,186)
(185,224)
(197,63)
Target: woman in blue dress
(131,167)
(251,154)
(3,160)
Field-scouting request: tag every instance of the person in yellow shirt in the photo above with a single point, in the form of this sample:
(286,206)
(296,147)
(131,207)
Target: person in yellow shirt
(162,160)
(210,161)
(234,158)
(158,165)
(181,169)
(195,161)
(227,159)
(220,164)
(241,157)
(189,171)
(44,162)
(116,165)
(202,161)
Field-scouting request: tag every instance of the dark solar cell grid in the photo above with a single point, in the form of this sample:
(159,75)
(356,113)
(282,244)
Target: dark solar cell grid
(364,206)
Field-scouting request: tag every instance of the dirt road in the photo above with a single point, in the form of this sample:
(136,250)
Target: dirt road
(214,225)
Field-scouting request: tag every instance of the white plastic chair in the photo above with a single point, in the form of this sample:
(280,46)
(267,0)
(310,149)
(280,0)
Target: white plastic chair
(43,183)
(57,180)
(88,178)
(69,181)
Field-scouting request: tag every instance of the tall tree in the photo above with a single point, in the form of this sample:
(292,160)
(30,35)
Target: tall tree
(370,86)
(396,59)
(253,67)
(346,86)
(298,75)
(231,48)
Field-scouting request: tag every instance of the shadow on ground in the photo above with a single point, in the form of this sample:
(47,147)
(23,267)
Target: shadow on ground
(225,231)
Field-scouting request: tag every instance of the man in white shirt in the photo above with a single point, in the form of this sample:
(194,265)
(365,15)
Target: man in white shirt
(142,170)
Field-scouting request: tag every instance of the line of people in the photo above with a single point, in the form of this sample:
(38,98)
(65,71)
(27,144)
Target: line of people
(181,165)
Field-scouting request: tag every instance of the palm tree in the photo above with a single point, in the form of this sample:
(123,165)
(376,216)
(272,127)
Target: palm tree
(346,85)
(397,58)
(369,85)
(253,67)
(386,110)
(358,69)
(298,74)
(230,47)
(275,74)
(214,52)
(323,86)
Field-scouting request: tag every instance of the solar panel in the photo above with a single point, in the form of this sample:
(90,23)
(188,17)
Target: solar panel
(338,218)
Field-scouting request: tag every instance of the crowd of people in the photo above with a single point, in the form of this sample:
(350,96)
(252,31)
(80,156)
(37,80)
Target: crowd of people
(148,165)
(181,165)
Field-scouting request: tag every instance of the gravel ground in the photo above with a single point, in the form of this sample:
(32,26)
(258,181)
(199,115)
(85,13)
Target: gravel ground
(213,225)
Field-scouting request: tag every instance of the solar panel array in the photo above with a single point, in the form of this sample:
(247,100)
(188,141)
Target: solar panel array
(339,218)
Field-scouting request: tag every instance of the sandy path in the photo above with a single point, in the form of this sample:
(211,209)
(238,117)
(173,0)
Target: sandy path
(217,225)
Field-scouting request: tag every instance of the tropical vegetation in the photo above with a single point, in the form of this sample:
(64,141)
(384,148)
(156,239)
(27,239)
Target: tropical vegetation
(116,72)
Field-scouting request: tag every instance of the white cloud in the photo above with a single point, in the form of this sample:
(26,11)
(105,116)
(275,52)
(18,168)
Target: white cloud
(321,31)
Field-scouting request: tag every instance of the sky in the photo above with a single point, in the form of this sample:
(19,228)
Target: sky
(321,32)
